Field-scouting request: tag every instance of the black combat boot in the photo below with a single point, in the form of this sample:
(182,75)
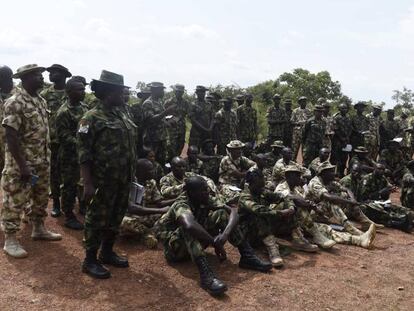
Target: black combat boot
(82,207)
(109,257)
(72,222)
(93,267)
(56,212)
(249,260)
(208,280)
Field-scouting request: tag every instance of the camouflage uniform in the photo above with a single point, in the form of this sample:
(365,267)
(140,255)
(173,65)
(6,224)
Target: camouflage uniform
(312,139)
(177,127)
(287,140)
(196,168)
(362,161)
(404,125)
(298,120)
(155,134)
(141,225)
(55,99)
(329,121)
(67,120)
(137,115)
(360,123)
(272,158)
(350,183)
(278,172)
(247,123)
(407,190)
(211,167)
(2,133)
(394,161)
(226,128)
(276,131)
(28,116)
(106,140)
(388,130)
(201,112)
(373,140)
(178,243)
(342,128)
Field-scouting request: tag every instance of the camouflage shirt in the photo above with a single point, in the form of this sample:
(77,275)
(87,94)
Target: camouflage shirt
(226,125)
(300,116)
(284,190)
(55,99)
(350,183)
(197,167)
(28,116)
(342,128)
(392,160)
(154,130)
(374,124)
(202,112)
(278,172)
(176,125)
(247,123)
(317,188)
(388,130)
(276,115)
(229,166)
(251,205)
(370,186)
(407,190)
(314,132)
(211,167)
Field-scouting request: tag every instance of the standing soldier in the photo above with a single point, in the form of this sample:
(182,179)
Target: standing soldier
(6,86)
(67,120)
(360,125)
(240,100)
(106,148)
(176,124)
(276,120)
(342,137)
(201,116)
(312,137)
(404,126)
(287,141)
(55,96)
(25,180)
(327,140)
(247,121)
(299,117)
(389,129)
(213,99)
(407,187)
(225,125)
(155,134)
(373,141)
(138,116)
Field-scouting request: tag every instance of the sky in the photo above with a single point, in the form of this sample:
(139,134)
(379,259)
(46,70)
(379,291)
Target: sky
(368,46)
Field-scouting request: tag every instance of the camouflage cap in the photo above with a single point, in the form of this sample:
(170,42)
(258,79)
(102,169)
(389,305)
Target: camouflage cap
(321,100)
(361,149)
(360,103)
(376,106)
(318,108)
(277,96)
(292,169)
(209,97)
(302,98)
(80,79)
(200,88)
(393,142)
(235,144)
(108,77)
(239,97)
(178,87)
(60,68)
(156,85)
(26,69)
(390,110)
(277,144)
(325,166)
(226,99)
(288,100)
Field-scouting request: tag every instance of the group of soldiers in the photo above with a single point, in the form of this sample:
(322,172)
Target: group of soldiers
(124,165)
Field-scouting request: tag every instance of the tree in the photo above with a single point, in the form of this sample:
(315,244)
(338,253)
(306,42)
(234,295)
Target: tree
(404,98)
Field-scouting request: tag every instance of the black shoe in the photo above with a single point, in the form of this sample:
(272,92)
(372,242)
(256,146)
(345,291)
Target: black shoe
(250,261)
(56,212)
(208,280)
(113,259)
(95,269)
(73,223)
(82,208)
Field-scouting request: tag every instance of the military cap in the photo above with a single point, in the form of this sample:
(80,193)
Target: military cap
(410,164)
(390,110)
(288,100)
(239,97)
(26,69)
(292,169)
(325,166)
(108,77)
(154,85)
(226,99)
(360,103)
(276,96)
(80,79)
(249,95)
(144,90)
(302,98)
(376,106)
(200,88)
(277,144)
(361,149)
(178,87)
(393,142)
(318,108)
(321,100)
(215,95)
(235,144)
(60,68)
(326,105)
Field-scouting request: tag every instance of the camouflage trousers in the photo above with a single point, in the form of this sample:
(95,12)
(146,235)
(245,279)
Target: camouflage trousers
(296,141)
(197,139)
(104,213)
(372,145)
(180,245)
(19,198)
(331,211)
(390,215)
(70,183)
(138,226)
(222,147)
(337,236)
(339,157)
(175,145)
(2,142)
(310,152)
(227,194)
(54,171)
(160,150)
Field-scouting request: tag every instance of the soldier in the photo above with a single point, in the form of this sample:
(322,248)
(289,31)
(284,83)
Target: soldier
(342,126)
(407,187)
(247,121)
(6,86)
(176,124)
(287,140)
(312,137)
(324,154)
(196,221)
(225,129)
(211,160)
(67,120)
(140,218)
(240,99)
(106,148)
(213,99)
(394,161)
(154,113)
(261,213)
(404,126)
(55,96)
(276,153)
(278,172)
(201,116)
(158,169)
(389,129)
(360,125)
(327,140)
(373,141)
(25,179)
(138,117)
(300,115)
(194,164)
(276,120)
(366,164)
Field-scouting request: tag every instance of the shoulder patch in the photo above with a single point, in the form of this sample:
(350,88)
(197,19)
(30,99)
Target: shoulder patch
(83,127)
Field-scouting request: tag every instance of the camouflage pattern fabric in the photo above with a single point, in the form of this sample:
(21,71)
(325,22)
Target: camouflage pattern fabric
(201,112)
(373,141)
(176,127)
(360,124)
(407,190)
(211,167)
(342,127)
(329,121)
(393,160)
(312,139)
(298,120)
(229,166)
(247,123)
(278,172)
(288,138)
(196,167)
(276,131)
(388,130)
(225,129)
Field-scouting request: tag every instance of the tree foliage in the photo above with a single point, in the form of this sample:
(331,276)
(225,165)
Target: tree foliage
(404,98)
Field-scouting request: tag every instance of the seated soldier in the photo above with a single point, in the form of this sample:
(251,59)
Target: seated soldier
(233,168)
(263,214)
(262,164)
(149,154)
(324,155)
(334,200)
(276,152)
(407,187)
(352,180)
(140,219)
(196,221)
(366,164)
(394,161)
(278,172)
(210,159)
(374,188)
(293,187)
(194,164)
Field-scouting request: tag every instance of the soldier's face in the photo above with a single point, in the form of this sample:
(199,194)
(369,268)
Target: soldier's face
(287,155)
(294,178)
(276,101)
(343,110)
(6,82)
(157,92)
(235,153)
(192,155)
(116,97)
(318,114)
(178,169)
(179,94)
(390,115)
(126,95)
(77,92)
(200,95)
(209,149)
(329,175)
(151,156)
(200,194)
(227,105)
(35,79)
(249,100)
(257,184)
(302,104)
(377,112)
(324,155)
(56,76)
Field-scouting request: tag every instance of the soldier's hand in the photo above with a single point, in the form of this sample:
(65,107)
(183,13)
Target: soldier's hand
(25,174)
(170,109)
(287,212)
(220,252)
(88,192)
(220,240)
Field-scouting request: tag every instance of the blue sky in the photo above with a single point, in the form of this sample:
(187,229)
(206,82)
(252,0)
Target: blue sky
(367,45)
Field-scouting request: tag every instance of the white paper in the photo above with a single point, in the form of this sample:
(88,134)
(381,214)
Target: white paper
(136,193)
(398,139)
(348,148)
(234,188)
(383,202)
